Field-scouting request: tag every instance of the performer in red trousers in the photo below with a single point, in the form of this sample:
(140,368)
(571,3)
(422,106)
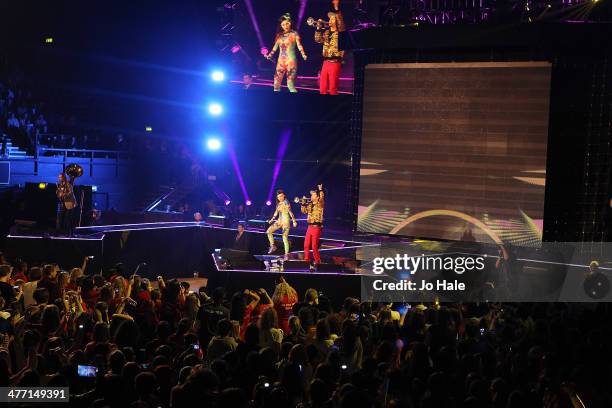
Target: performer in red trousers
(314,211)
(332,56)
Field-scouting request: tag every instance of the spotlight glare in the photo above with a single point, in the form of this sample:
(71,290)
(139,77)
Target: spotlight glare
(248,202)
(268,203)
(148,129)
(215,109)
(227,202)
(218,76)
(213,144)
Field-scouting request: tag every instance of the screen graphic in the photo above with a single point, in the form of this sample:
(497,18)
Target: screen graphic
(455,151)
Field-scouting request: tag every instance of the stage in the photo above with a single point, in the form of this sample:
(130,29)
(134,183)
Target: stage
(199,252)
(183,249)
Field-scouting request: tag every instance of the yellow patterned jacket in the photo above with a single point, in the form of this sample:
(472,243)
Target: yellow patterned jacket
(329,39)
(314,211)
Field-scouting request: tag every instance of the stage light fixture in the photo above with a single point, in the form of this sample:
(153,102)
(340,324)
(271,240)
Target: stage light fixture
(213,143)
(148,129)
(42,186)
(268,203)
(217,76)
(215,109)
(248,202)
(49,40)
(227,202)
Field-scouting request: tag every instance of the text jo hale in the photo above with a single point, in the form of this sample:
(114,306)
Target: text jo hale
(439,285)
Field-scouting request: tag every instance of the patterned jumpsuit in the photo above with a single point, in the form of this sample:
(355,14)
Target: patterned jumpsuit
(285,217)
(287,60)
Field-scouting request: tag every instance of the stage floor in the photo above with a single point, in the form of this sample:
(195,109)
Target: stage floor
(184,249)
(340,251)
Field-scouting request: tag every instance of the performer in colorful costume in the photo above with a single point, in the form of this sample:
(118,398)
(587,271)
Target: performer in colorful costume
(286,41)
(284,220)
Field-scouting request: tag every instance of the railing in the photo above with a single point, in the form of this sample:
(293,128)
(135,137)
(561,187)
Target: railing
(68,156)
(158,200)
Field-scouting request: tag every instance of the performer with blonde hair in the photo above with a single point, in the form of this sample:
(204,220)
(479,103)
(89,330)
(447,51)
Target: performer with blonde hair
(284,298)
(284,221)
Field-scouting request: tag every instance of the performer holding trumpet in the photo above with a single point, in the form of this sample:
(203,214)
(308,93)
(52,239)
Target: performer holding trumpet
(284,214)
(328,34)
(313,208)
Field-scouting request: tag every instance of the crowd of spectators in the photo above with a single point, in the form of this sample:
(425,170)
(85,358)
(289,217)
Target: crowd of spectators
(121,341)
(164,344)
(83,142)
(20,116)
(23,120)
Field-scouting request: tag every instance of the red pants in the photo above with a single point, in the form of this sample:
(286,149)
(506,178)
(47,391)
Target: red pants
(313,234)
(330,75)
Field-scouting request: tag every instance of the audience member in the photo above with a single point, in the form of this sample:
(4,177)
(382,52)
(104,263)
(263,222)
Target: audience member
(167,346)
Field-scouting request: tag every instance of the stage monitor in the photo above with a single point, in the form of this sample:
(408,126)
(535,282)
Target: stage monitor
(455,150)
(239,259)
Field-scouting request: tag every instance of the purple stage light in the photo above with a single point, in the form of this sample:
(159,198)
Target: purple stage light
(227,202)
(301,12)
(280,153)
(235,49)
(268,203)
(248,202)
(249,7)
(232,154)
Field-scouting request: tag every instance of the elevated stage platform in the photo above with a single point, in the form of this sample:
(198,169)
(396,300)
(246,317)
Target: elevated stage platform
(179,249)
(198,251)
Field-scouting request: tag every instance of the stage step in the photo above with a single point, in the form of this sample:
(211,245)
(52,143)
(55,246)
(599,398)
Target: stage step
(14,152)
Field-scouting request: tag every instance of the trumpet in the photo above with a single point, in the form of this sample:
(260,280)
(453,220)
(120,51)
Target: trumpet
(302,201)
(318,23)
(74,170)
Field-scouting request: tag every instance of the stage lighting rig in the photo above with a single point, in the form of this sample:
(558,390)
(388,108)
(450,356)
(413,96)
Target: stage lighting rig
(213,144)
(217,76)
(215,109)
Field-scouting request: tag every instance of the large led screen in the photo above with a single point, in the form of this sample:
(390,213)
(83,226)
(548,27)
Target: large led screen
(455,150)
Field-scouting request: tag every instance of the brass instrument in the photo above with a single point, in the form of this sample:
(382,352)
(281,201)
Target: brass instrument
(74,170)
(66,194)
(302,201)
(317,23)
